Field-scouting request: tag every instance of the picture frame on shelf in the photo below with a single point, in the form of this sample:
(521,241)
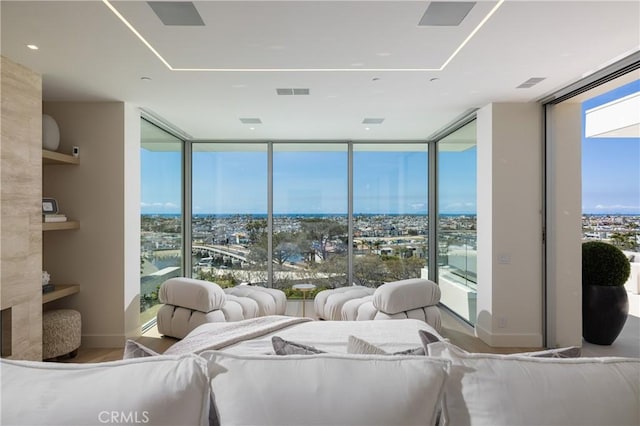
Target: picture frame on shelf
(49,206)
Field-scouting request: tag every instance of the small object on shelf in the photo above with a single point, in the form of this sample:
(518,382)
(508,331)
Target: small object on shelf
(49,206)
(45,277)
(54,218)
(50,133)
(48,288)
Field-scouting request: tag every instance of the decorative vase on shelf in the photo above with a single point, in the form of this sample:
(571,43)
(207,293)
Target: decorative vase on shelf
(50,133)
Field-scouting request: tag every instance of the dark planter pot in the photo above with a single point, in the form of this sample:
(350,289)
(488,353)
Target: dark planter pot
(604,312)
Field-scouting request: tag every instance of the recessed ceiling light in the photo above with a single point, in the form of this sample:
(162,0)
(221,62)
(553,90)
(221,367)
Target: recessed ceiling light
(375,79)
(145,78)
(372,121)
(32,46)
(434,79)
(252,128)
(366,128)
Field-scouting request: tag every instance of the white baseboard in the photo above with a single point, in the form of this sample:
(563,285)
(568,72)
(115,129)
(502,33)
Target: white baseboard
(506,340)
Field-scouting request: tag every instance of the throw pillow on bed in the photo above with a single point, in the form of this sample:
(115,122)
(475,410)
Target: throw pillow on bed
(494,390)
(159,390)
(285,347)
(326,389)
(568,352)
(356,345)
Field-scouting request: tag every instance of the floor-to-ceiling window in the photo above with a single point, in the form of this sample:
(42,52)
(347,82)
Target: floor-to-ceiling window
(229,213)
(390,224)
(592,187)
(161,230)
(310,211)
(277,213)
(457,242)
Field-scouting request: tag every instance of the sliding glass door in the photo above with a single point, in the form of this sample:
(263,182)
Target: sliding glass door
(161,214)
(457,238)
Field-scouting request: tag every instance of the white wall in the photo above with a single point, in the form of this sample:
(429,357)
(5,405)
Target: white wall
(509,193)
(103,194)
(564,226)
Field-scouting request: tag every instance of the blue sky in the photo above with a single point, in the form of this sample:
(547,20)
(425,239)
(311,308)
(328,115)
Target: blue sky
(309,182)
(610,166)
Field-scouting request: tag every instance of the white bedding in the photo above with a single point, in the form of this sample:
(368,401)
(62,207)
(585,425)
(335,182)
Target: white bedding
(332,336)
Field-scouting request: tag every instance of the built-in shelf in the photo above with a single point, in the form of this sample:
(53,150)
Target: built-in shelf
(62,290)
(52,157)
(60,226)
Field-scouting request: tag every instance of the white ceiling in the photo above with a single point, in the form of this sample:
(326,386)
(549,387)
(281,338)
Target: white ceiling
(360,59)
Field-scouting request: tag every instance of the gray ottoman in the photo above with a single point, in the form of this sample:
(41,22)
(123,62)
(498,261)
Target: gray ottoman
(61,333)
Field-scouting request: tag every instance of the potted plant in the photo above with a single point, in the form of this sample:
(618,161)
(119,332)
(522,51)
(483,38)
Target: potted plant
(605,303)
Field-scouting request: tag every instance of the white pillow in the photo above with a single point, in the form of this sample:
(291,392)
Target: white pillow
(159,390)
(326,389)
(487,389)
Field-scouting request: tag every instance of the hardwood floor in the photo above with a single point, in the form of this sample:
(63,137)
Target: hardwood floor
(458,332)
(93,355)
(462,335)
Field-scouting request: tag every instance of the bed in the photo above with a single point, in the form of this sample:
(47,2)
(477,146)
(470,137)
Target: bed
(253,336)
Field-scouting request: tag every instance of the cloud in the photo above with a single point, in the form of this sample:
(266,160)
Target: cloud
(616,206)
(159,205)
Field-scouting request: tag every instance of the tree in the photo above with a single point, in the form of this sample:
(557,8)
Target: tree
(284,251)
(320,232)
(368,270)
(256,230)
(624,241)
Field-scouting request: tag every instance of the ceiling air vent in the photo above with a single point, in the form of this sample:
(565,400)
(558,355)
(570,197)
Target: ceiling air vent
(292,92)
(177,13)
(250,121)
(531,82)
(445,14)
(372,121)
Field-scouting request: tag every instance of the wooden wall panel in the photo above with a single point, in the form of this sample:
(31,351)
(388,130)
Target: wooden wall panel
(20,206)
